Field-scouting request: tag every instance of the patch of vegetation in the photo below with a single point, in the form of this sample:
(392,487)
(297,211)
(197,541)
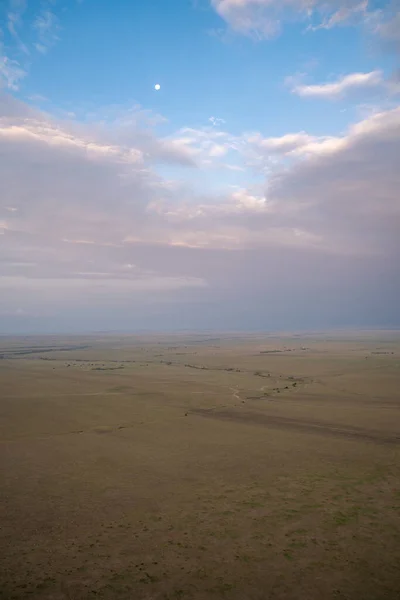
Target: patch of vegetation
(261,374)
(107,368)
(277,351)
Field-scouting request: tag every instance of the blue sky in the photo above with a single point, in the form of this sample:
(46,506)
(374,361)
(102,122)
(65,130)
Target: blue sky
(113,53)
(271,118)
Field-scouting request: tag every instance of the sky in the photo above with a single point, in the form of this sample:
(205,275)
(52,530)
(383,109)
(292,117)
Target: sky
(258,189)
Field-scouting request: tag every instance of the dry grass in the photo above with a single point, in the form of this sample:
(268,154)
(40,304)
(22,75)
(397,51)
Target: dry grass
(200,467)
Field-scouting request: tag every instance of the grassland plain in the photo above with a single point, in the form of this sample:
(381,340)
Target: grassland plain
(199,466)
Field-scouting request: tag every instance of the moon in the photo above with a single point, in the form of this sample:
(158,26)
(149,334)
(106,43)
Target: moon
(157,87)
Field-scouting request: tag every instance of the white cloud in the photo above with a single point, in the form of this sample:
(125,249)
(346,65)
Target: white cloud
(237,168)
(16,55)
(300,145)
(89,141)
(52,136)
(216,121)
(344,15)
(47,26)
(204,145)
(387,24)
(38,98)
(347,185)
(249,17)
(263,18)
(16,10)
(89,281)
(280,145)
(248,201)
(14,22)
(341,87)
(218,150)
(41,48)
(11,73)
(97,227)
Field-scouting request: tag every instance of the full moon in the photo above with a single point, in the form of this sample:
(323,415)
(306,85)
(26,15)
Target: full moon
(157,87)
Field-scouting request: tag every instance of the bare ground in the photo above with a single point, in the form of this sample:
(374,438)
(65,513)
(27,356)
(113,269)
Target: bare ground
(187,467)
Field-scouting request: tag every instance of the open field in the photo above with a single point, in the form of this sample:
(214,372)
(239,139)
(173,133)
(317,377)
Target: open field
(199,466)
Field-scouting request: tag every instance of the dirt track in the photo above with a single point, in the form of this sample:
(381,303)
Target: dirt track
(315,427)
